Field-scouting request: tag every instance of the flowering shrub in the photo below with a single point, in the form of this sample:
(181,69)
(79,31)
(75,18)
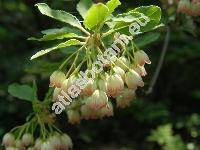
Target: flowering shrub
(115,85)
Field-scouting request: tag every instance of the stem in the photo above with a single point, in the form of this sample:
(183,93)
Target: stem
(81,37)
(85,31)
(73,64)
(160,63)
(78,67)
(66,60)
(135,46)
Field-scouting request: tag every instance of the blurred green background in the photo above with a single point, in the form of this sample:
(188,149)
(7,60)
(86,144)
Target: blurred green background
(168,118)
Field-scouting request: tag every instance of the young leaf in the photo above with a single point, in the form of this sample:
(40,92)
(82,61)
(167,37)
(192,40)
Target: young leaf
(59,15)
(83,6)
(96,15)
(112,4)
(23,92)
(61,45)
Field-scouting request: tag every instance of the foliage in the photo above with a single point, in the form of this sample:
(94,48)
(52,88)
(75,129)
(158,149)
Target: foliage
(172,110)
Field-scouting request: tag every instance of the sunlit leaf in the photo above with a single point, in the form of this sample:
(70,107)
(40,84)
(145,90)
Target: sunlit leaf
(83,7)
(61,45)
(112,4)
(54,36)
(96,15)
(59,15)
(126,19)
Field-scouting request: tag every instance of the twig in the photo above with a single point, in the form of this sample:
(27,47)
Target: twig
(160,63)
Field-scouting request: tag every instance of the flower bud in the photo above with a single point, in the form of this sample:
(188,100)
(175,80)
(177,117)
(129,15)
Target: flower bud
(119,71)
(8,140)
(115,85)
(102,84)
(89,89)
(141,58)
(123,63)
(66,142)
(73,116)
(125,97)
(98,100)
(56,79)
(27,139)
(133,79)
(107,111)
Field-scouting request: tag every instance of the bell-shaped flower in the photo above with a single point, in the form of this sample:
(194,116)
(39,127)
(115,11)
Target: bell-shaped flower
(115,85)
(56,79)
(133,79)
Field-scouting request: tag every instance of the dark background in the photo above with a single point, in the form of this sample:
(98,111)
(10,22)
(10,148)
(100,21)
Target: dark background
(168,118)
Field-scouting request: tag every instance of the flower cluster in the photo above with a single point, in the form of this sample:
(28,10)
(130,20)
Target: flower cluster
(115,85)
(53,142)
(191,8)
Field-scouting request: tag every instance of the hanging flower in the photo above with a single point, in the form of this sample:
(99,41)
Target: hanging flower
(56,92)
(102,84)
(56,79)
(66,142)
(73,116)
(38,144)
(125,98)
(86,112)
(123,63)
(133,79)
(107,111)
(141,58)
(140,70)
(115,85)
(89,89)
(8,140)
(119,71)
(27,139)
(98,100)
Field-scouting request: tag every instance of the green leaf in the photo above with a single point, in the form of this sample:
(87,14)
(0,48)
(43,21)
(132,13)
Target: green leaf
(23,92)
(96,15)
(53,34)
(59,15)
(123,21)
(154,14)
(61,45)
(83,6)
(58,36)
(112,4)
(146,39)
